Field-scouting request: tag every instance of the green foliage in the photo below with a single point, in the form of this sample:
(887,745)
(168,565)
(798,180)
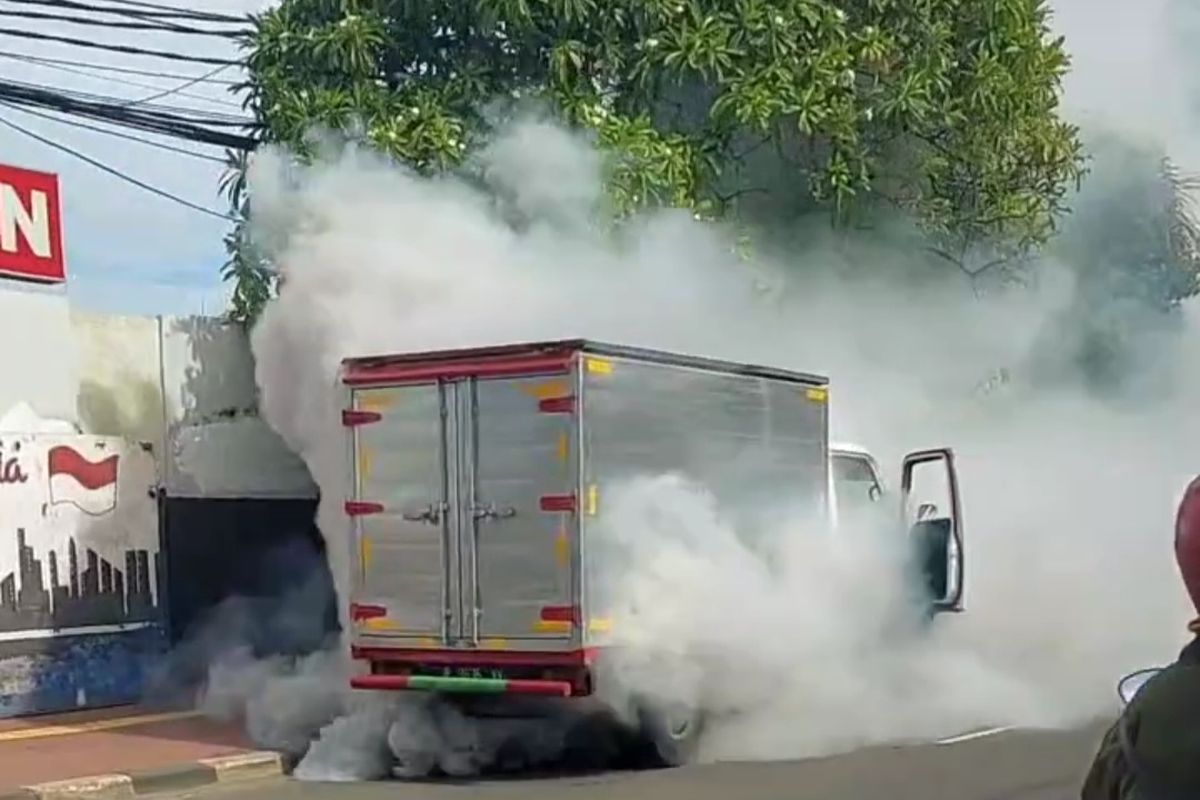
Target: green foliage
(1133,243)
(760,110)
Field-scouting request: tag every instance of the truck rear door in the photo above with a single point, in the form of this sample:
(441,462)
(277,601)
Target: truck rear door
(464,511)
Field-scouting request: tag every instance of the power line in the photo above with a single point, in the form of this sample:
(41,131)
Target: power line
(183,12)
(144,119)
(116,48)
(41,93)
(166,27)
(177,89)
(114,172)
(47,64)
(118,134)
(162,14)
(108,68)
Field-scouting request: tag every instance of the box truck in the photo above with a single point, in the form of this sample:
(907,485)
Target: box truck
(479,481)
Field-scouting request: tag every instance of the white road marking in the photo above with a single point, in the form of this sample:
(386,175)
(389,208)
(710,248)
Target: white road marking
(969,737)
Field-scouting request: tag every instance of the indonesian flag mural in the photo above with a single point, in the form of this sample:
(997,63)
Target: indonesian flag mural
(90,486)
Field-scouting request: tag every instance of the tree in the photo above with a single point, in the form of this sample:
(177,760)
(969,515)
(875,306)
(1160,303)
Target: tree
(1133,244)
(766,111)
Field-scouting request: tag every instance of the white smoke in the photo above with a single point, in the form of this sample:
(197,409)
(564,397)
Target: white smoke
(1065,498)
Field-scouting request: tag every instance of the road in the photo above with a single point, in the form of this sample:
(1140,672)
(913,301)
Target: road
(1005,766)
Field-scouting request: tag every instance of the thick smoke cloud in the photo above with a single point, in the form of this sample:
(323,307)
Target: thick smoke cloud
(1068,493)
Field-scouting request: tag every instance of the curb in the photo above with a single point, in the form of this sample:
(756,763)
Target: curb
(181,777)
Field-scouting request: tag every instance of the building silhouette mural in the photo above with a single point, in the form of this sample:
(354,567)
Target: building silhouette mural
(84,591)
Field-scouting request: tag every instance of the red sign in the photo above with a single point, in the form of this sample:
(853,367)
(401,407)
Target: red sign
(30,226)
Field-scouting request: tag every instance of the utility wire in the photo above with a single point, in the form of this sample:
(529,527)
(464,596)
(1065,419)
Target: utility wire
(116,48)
(143,119)
(165,16)
(43,60)
(118,134)
(44,64)
(177,89)
(114,172)
(110,23)
(212,16)
(47,95)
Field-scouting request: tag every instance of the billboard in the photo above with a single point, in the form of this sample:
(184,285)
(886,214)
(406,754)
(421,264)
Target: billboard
(79,570)
(30,226)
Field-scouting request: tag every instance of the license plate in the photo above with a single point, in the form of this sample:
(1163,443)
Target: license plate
(473,672)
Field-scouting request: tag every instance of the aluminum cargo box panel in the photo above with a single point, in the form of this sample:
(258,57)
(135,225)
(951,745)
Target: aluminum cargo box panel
(400,463)
(525,450)
(752,442)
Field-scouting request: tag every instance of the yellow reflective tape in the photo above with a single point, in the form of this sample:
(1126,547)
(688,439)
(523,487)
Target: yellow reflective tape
(364,552)
(428,641)
(546,389)
(562,546)
(817,395)
(598,366)
(377,399)
(380,624)
(600,625)
(494,644)
(552,626)
(593,500)
(366,460)
(564,443)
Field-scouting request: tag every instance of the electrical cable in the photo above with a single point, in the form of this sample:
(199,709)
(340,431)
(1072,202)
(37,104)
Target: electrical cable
(108,23)
(118,134)
(181,87)
(158,13)
(134,117)
(114,172)
(38,62)
(44,95)
(211,16)
(116,48)
(44,60)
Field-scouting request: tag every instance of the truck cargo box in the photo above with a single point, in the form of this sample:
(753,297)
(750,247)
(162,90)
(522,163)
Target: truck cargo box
(479,476)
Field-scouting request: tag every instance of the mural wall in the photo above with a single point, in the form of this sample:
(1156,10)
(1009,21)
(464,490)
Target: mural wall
(134,470)
(80,566)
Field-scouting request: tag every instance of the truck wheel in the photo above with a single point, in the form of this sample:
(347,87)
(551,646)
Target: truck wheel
(670,734)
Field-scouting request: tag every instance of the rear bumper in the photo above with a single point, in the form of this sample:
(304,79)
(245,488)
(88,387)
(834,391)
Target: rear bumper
(460,685)
(558,674)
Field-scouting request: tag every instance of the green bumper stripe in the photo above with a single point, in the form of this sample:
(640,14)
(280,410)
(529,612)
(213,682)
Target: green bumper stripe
(435,683)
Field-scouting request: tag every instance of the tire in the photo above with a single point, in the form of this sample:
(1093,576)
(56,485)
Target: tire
(670,737)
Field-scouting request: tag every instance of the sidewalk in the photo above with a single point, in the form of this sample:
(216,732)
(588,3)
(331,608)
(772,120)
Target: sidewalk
(38,750)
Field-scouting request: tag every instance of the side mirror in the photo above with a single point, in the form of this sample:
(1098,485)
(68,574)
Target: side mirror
(1131,684)
(929,482)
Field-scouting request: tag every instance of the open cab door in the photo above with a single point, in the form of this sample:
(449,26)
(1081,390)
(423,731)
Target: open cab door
(932,513)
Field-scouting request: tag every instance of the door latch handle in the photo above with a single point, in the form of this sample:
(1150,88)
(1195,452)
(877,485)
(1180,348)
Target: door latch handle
(431,514)
(490,511)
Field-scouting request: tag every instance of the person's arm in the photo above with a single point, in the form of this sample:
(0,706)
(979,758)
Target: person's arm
(1109,777)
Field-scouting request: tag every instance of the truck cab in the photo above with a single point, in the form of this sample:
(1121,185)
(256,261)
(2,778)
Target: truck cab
(930,508)
(855,480)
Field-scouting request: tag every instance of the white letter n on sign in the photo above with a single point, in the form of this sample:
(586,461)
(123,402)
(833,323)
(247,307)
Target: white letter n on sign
(33,223)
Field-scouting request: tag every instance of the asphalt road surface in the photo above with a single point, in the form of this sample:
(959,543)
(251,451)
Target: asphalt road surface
(1002,766)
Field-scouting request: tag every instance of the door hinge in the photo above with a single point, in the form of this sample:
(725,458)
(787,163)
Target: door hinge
(358,508)
(558,502)
(557,405)
(352,418)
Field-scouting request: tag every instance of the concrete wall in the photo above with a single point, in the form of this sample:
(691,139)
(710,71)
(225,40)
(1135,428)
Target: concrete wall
(219,447)
(185,384)
(120,384)
(37,350)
